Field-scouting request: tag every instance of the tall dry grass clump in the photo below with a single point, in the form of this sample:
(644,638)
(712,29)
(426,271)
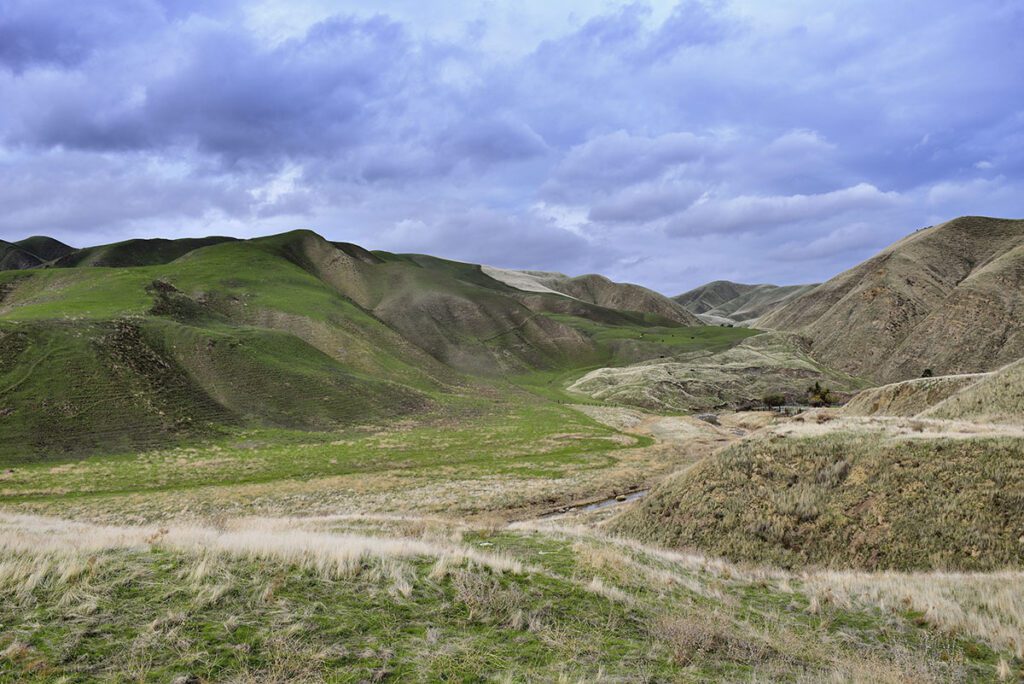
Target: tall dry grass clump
(989,606)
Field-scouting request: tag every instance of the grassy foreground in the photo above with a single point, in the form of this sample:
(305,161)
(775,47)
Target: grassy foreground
(399,599)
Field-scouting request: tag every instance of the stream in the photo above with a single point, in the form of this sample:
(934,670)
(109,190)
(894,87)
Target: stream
(596,505)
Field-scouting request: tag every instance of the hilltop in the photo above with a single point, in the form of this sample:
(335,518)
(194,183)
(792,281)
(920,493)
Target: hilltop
(945,299)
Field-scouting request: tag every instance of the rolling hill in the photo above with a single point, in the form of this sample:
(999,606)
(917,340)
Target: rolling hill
(128,346)
(31,252)
(946,298)
(733,376)
(724,302)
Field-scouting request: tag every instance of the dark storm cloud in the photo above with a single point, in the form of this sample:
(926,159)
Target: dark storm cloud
(661,143)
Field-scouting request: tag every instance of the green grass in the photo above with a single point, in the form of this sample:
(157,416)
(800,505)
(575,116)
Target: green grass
(70,388)
(533,439)
(279,332)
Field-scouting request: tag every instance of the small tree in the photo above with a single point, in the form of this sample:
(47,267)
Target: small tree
(927,373)
(818,395)
(773,400)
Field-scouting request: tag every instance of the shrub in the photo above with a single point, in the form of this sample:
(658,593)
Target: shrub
(818,395)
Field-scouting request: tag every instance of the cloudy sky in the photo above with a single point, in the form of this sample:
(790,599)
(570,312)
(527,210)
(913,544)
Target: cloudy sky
(656,142)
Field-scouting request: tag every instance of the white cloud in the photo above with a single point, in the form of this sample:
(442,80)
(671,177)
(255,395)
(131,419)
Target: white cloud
(750,212)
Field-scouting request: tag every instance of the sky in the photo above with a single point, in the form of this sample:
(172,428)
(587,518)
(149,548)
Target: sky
(662,143)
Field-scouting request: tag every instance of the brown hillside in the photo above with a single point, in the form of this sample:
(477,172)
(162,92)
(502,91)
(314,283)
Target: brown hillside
(948,298)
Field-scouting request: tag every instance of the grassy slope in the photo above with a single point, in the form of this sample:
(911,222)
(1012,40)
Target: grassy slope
(285,331)
(997,397)
(129,358)
(281,601)
(908,398)
(847,499)
(518,436)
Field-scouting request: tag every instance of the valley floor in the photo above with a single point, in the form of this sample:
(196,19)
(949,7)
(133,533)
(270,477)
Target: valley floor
(426,552)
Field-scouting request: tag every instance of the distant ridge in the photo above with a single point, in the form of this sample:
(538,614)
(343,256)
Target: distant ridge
(596,289)
(149,252)
(723,301)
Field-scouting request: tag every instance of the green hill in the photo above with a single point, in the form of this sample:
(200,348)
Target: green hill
(45,248)
(13,257)
(136,252)
(125,359)
(127,346)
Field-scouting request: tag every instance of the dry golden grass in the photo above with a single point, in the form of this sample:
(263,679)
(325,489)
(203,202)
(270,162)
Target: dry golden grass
(62,543)
(989,606)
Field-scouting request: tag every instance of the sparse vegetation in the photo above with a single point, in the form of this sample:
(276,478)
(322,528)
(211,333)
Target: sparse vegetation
(879,320)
